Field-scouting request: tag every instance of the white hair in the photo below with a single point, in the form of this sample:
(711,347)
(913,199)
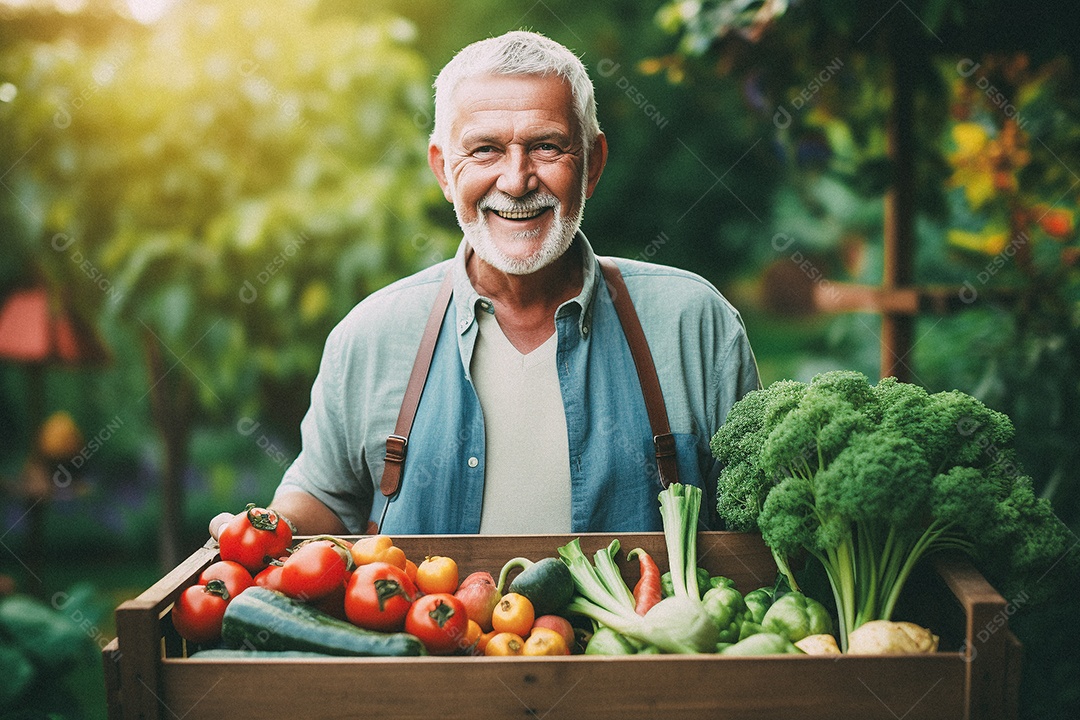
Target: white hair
(517,53)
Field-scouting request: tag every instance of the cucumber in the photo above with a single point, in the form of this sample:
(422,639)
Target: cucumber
(261,619)
(547,583)
(232,654)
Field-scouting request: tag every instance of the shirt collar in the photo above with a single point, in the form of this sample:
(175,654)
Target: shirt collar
(467,302)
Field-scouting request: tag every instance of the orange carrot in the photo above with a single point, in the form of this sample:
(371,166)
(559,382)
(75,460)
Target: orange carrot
(647,589)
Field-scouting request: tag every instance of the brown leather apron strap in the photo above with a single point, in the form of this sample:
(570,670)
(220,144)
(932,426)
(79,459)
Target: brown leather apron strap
(663,440)
(397,445)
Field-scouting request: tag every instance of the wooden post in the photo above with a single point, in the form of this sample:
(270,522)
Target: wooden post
(898,330)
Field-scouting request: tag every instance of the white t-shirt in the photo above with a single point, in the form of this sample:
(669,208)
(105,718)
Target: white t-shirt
(527,475)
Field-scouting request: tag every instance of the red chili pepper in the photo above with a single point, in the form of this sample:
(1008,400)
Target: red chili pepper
(647,590)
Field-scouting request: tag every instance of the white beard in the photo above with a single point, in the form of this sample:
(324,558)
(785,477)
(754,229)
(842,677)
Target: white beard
(556,242)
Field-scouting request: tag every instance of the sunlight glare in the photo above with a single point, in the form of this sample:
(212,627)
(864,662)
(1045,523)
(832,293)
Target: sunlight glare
(148,11)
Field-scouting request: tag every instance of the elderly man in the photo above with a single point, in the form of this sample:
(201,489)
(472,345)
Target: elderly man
(536,414)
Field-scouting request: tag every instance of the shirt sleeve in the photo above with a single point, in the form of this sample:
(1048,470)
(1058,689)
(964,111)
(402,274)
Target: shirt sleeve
(325,467)
(738,373)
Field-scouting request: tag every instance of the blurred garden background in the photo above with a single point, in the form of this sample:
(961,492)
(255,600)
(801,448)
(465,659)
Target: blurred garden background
(193,192)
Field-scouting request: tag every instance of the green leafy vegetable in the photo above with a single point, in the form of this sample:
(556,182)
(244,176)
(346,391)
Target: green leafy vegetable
(870,479)
(677,624)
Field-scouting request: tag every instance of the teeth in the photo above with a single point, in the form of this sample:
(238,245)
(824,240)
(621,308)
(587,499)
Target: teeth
(518,214)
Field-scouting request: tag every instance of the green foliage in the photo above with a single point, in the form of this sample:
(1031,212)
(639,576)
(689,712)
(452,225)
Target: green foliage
(869,479)
(237,178)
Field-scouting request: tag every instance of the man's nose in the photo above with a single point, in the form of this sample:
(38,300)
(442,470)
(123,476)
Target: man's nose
(517,176)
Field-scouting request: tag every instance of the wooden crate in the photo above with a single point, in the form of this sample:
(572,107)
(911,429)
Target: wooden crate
(975,675)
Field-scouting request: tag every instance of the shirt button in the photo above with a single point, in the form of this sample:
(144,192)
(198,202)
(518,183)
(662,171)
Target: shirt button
(473,462)
(462,325)
(585,329)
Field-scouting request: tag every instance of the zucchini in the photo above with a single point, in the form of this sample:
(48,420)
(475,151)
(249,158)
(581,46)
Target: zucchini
(547,583)
(261,619)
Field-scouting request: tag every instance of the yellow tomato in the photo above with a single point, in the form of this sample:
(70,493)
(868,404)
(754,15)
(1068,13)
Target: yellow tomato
(545,641)
(437,574)
(504,644)
(513,614)
(381,548)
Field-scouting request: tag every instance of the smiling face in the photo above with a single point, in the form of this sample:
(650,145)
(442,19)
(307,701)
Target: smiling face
(515,169)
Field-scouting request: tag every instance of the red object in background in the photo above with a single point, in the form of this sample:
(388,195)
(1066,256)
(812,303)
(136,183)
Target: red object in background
(33,329)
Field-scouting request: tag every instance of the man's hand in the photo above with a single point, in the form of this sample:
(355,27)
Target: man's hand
(218,523)
(306,514)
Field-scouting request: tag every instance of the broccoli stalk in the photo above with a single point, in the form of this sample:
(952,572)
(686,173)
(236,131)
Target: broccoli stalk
(870,479)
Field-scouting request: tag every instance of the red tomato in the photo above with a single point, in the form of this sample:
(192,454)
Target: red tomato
(316,568)
(270,576)
(252,538)
(198,611)
(333,604)
(378,597)
(441,623)
(235,576)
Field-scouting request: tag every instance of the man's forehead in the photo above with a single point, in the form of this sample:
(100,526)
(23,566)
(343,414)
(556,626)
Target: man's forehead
(494,99)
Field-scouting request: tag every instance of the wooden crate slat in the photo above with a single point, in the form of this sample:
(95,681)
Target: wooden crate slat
(635,688)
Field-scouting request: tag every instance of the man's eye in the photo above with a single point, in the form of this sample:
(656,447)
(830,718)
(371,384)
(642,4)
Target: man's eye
(484,150)
(548,147)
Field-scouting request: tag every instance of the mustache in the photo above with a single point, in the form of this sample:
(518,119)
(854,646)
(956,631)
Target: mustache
(501,202)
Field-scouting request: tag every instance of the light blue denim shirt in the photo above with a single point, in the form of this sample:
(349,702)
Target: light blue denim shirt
(702,356)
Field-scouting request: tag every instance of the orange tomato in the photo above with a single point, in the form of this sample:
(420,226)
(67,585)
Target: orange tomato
(545,641)
(504,644)
(437,574)
(482,642)
(377,548)
(472,637)
(513,614)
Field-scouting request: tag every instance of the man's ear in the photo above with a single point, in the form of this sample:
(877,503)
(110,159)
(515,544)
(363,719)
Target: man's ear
(438,166)
(597,160)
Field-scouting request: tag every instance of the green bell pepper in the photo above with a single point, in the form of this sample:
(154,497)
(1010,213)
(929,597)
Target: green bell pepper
(749,627)
(762,644)
(606,641)
(758,602)
(727,609)
(720,581)
(795,616)
(667,590)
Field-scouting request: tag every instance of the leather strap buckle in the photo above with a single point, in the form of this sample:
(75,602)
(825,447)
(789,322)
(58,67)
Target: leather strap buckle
(396,446)
(665,445)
